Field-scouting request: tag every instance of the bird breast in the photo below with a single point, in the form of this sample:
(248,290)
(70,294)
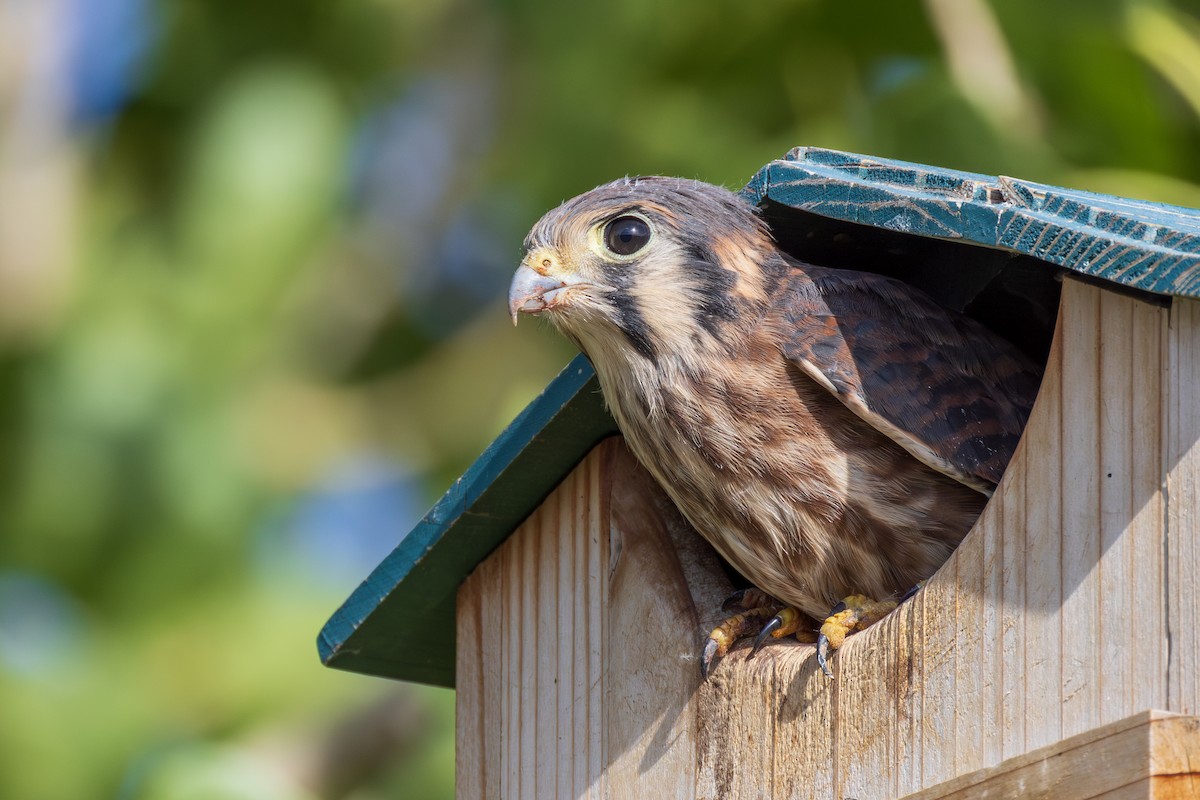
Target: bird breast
(800,495)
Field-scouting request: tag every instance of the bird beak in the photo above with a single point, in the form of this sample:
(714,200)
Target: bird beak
(532,292)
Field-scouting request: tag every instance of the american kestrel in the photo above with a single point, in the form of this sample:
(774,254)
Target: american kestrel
(832,433)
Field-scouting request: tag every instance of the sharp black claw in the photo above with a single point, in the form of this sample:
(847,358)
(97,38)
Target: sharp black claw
(706,658)
(734,600)
(823,655)
(772,625)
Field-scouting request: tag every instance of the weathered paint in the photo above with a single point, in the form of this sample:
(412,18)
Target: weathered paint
(1148,246)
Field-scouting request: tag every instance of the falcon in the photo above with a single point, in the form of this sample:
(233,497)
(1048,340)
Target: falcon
(832,433)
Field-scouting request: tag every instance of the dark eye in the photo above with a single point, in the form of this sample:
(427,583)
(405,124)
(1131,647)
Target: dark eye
(626,235)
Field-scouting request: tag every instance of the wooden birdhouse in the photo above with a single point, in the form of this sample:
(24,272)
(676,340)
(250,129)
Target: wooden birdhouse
(1056,654)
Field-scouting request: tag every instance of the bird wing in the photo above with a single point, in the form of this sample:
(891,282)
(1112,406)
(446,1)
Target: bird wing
(942,386)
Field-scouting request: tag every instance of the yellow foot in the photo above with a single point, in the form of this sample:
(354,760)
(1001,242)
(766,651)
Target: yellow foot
(788,621)
(855,613)
(759,614)
(733,628)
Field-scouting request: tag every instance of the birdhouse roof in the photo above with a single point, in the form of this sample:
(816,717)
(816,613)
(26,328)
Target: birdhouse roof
(832,208)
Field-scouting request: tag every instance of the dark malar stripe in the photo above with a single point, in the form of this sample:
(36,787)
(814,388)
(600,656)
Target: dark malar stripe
(716,289)
(634,326)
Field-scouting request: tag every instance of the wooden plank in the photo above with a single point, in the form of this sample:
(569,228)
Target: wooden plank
(1162,787)
(479,703)
(938,606)
(1147,528)
(1119,399)
(650,651)
(470,711)
(1080,554)
(805,754)
(564,684)
(605,706)
(586,521)
(1150,747)
(1010,721)
(990,654)
(544,565)
(1183,505)
(971,650)
(1178,631)
(736,755)
(865,730)
(490,597)
(535,686)
(909,669)
(511,687)
(599,519)
(527,643)
(1039,460)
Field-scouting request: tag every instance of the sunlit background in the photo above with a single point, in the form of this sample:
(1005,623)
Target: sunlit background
(252,265)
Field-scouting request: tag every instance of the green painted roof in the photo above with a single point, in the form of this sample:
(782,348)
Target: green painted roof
(400,622)
(926,224)
(1148,246)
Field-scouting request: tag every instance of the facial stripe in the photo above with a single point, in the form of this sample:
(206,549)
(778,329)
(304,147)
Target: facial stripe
(715,289)
(680,293)
(633,324)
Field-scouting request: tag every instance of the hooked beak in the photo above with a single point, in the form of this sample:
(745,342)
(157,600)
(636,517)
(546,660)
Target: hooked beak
(532,292)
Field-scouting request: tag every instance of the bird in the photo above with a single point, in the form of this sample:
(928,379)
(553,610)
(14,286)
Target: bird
(833,433)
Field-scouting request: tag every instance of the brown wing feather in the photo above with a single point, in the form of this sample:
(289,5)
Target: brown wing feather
(948,390)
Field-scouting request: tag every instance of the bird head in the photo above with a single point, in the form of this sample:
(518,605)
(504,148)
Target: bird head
(655,263)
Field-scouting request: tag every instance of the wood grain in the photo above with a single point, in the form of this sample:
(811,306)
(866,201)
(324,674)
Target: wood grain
(1069,609)
(1148,755)
(1038,464)
(1182,439)
(1147,529)
(577,640)
(479,713)
(1082,395)
(1014,698)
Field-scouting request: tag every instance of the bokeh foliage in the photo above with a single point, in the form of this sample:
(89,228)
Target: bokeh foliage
(252,317)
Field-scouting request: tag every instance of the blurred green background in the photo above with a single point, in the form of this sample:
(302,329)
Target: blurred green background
(253,259)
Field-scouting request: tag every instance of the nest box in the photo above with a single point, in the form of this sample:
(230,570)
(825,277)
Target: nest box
(1057,652)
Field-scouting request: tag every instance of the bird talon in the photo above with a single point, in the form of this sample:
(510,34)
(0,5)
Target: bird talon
(823,655)
(712,649)
(729,631)
(852,614)
(773,624)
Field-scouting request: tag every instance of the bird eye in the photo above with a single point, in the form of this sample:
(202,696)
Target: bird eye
(626,235)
